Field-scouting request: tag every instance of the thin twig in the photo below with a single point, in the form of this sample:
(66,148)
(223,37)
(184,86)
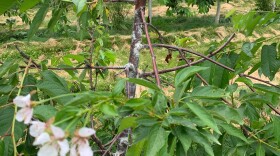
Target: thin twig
(195,53)
(78,68)
(267,82)
(192,63)
(90,59)
(25,56)
(160,37)
(151,48)
(112,143)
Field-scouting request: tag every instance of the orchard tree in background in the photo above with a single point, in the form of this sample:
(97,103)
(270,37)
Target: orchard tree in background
(209,112)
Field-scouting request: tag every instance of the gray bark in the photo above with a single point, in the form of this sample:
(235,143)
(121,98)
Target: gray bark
(218,12)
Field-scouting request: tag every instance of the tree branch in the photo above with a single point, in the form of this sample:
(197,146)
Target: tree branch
(151,48)
(192,63)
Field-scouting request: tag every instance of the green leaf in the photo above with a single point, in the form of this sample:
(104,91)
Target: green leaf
(6,5)
(184,138)
(260,150)
(80,5)
(159,102)
(5,67)
(208,92)
(185,73)
(201,140)
(136,149)
(204,116)
(230,13)
(109,109)
(2,147)
(233,131)
(6,118)
(180,120)
(4,89)
(145,83)
(157,139)
(29,85)
(244,80)
(44,112)
(119,87)
(38,19)
(56,15)
(269,62)
(27,4)
(268,89)
(276,129)
(126,123)
(136,103)
(147,121)
(180,90)
(247,47)
(53,86)
(226,113)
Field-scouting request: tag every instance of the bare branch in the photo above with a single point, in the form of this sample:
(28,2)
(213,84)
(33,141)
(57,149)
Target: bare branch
(192,63)
(151,49)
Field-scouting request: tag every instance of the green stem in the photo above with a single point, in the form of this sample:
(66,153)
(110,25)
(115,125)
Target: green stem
(56,97)
(15,111)
(66,119)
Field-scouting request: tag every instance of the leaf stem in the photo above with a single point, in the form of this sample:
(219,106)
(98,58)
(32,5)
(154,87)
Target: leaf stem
(15,110)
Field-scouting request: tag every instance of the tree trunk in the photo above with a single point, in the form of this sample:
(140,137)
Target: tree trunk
(218,13)
(135,47)
(273,5)
(150,11)
(124,139)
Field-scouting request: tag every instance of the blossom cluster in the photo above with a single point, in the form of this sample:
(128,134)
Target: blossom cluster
(52,139)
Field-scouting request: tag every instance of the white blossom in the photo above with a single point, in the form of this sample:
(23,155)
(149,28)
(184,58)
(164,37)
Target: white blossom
(80,144)
(51,138)
(37,128)
(26,111)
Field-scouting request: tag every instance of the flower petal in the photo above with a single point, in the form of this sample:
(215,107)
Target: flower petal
(20,115)
(57,132)
(37,128)
(48,150)
(22,101)
(64,147)
(28,115)
(86,132)
(42,139)
(73,150)
(84,149)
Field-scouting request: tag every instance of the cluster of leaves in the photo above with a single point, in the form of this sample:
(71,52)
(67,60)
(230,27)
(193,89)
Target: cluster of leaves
(174,6)
(194,121)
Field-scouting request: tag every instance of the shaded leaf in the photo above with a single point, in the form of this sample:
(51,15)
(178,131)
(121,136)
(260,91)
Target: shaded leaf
(53,86)
(233,131)
(44,112)
(184,138)
(157,139)
(203,115)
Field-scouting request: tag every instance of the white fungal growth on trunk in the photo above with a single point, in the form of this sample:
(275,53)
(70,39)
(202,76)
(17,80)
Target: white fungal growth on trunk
(133,36)
(137,48)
